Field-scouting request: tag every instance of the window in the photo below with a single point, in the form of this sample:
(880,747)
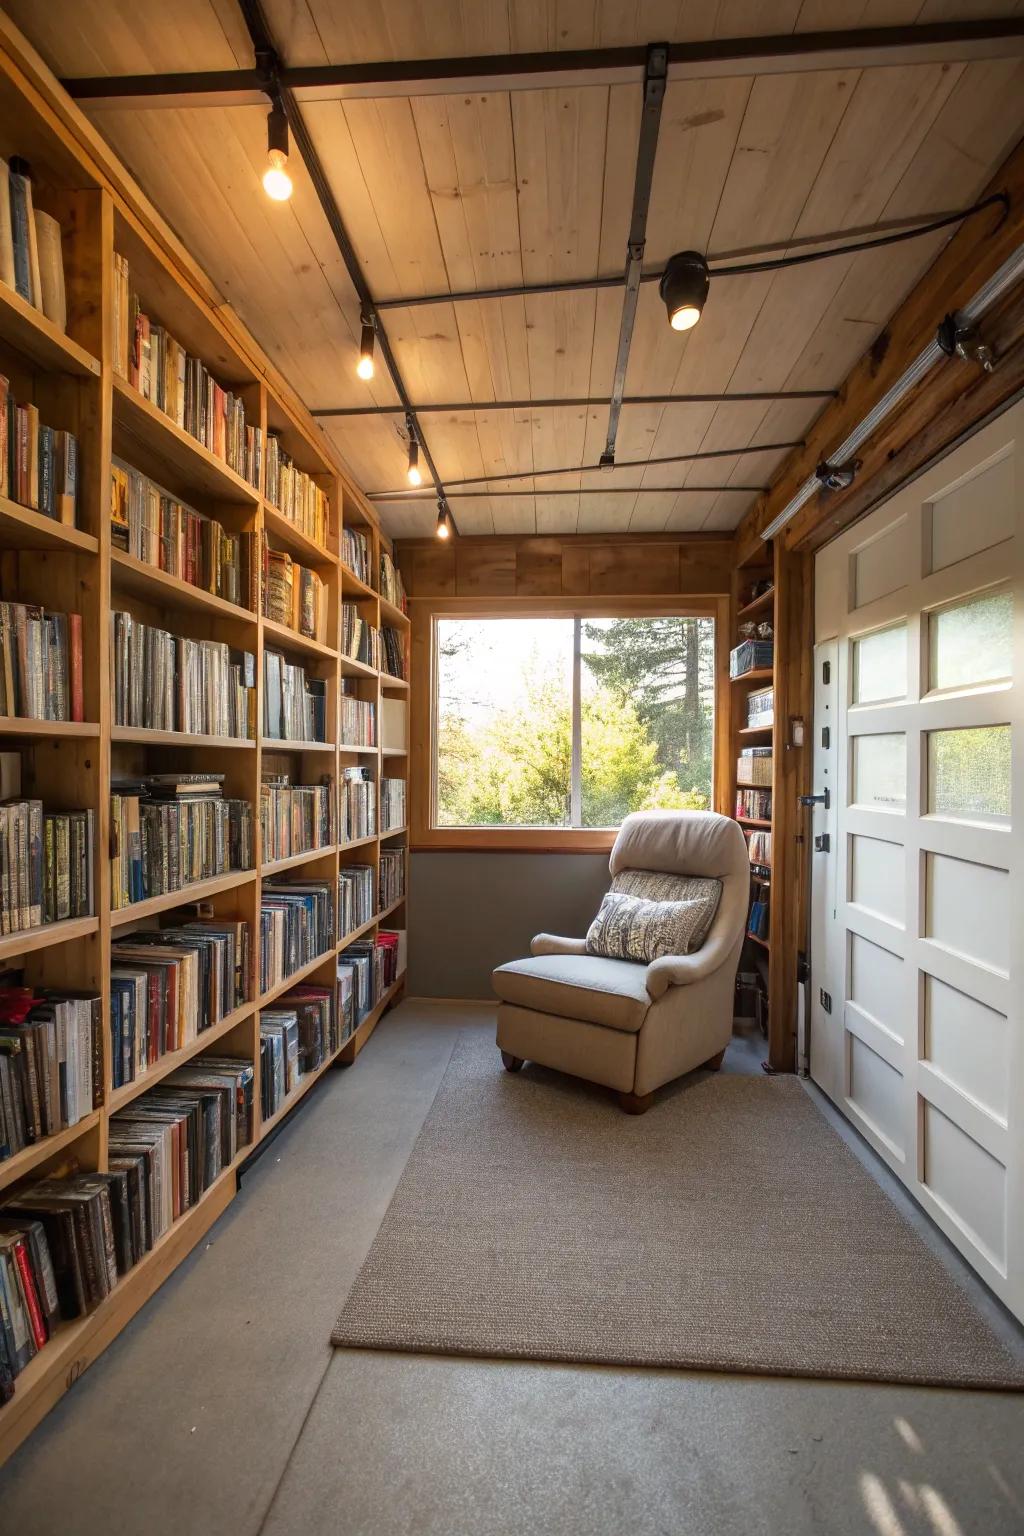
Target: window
(571,721)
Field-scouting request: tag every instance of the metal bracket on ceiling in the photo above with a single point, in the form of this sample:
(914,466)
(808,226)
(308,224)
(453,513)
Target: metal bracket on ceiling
(837,477)
(959,337)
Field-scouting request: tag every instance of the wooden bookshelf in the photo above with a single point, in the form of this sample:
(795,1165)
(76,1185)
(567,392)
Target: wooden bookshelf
(111,418)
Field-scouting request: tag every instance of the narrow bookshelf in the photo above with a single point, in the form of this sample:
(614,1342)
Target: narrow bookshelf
(214,716)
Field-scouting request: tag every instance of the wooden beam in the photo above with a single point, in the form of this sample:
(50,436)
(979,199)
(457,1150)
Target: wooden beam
(970,258)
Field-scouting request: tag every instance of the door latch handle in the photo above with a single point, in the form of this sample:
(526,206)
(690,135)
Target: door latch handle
(822,799)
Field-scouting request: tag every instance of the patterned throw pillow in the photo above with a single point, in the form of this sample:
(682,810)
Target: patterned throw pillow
(646,915)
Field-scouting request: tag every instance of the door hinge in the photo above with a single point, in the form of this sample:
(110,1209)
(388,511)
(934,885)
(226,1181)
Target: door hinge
(824,799)
(822,844)
(825,998)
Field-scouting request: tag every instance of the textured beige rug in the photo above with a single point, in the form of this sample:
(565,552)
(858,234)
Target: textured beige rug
(729,1228)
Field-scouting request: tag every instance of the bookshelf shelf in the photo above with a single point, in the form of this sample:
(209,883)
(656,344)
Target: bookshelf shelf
(143,736)
(392,908)
(21,725)
(14,1168)
(38,339)
(284,531)
(755,675)
(758,605)
(29,940)
(393,832)
(290,639)
(301,1088)
(168,1063)
(106,215)
(280,987)
(755,730)
(756,939)
(389,614)
(199,890)
(394,751)
(294,860)
(22,528)
(352,586)
(133,575)
(191,462)
(753,821)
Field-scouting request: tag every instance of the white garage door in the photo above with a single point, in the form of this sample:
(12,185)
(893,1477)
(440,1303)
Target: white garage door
(917,910)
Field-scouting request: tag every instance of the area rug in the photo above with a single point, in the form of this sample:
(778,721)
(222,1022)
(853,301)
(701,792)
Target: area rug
(730,1228)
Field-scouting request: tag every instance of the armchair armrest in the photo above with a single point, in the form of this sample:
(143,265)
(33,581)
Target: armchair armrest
(683,970)
(551,944)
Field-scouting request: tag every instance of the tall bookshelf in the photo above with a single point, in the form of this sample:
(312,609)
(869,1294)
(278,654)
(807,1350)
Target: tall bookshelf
(71,377)
(754,601)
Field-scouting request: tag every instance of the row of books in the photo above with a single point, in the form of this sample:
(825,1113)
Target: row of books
(393,652)
(170,984)
(392,876)
(392,587)
(760,707)
(295,493)
(180,385)
(51,1075)
(297,1036)
(169,830)
(293,595)
(169,682)
(357,796)
(358,721)
(148,522)
(296,925)
(360,640)
(392,804)
(38,464)
(758,919)
(355,897)
(355,553)
(47,859)
(294,705)
(754,804)
(295,818)
(40,663)
(65,1242)
(366,969)
(759,846)
(31,254)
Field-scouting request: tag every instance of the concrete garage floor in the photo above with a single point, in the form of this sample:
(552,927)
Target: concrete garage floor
(223,1409)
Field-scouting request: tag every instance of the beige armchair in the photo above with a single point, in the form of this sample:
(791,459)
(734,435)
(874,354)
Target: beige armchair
(630,1026)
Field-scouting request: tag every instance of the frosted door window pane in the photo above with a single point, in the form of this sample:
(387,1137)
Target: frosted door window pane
(972,642)
(880,666)
(880,771)
(969,772)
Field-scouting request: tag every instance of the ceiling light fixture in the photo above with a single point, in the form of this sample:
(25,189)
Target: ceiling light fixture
(364,368)
(444,519)
(413,473)
(277,184)
(684,288)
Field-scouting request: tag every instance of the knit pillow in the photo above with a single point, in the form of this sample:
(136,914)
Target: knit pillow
(646,915)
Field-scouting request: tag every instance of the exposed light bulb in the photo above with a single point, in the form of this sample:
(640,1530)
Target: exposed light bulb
(684,319)
(684,288)
(413,472)
(364,367)
(276,181)
(444,521)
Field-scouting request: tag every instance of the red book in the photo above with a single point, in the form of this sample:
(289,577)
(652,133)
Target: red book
(75,665)
(28,1285)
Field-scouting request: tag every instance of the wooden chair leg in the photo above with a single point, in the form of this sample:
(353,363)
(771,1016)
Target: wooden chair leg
(714,1062)
(511,1063)
(635,1103)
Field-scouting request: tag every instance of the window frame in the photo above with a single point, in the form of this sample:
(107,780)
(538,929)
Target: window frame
(423,761)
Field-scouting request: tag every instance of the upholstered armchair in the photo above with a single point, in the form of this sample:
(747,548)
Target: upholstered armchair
(629,1025)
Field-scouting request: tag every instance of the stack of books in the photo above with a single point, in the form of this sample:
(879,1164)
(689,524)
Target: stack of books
(392,587)
(360,641)
(390,944)
(392,804)
(169,985)
(760,708)
(358,718)
(296,926)
(38,464)
(355,983)
(31,256)
(296,494)
(293,595)
(294,705)
(759,846)
(180,385)
(355,553)
(392,876)
(393,650)
(51,1071)
(355,897)
(148,522)
(40,663)
(754,804)
(167,682)
(169,830)
(358,797)
(297,1036)
(47,859)
(295,818)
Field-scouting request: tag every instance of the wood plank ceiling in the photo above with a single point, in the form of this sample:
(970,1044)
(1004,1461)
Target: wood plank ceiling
(453,192)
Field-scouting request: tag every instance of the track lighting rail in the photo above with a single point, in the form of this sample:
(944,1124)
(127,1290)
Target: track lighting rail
(557,403)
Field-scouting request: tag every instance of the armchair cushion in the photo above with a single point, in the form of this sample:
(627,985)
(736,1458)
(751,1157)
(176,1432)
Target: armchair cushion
(585,987)
(646,915)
